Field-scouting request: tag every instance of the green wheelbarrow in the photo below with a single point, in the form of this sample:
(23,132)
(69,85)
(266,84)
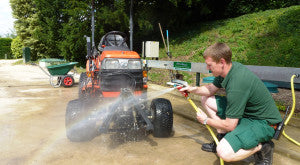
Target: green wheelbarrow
(58,74)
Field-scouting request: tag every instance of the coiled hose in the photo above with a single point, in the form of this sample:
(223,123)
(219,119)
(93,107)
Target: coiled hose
(292,111)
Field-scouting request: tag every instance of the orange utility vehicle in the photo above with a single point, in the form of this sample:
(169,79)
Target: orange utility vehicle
(113,95)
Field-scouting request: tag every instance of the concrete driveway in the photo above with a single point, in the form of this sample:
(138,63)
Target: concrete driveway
(32,129)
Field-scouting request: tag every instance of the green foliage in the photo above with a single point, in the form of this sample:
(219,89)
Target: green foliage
(269,38)
(188,77)
(16,47)
(5,47)
(47,31)
(154,76)
(56,28)
(77,25)
(19,62)
(280,105)
(26,22)
(240,7)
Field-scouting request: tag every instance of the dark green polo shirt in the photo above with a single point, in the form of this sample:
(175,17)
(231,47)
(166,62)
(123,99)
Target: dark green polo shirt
(247,96)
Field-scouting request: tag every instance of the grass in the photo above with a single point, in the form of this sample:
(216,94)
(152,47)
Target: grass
(19,62)
(281,105)
(268,38)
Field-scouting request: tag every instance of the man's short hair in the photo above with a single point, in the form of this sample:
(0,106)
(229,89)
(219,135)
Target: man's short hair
(218,51)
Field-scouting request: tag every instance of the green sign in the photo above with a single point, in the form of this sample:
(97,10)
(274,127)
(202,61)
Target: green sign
(186,66)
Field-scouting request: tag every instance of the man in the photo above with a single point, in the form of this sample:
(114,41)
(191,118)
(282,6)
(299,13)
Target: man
(244,117)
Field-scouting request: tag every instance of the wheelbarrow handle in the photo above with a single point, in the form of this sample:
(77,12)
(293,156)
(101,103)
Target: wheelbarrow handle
(41,69)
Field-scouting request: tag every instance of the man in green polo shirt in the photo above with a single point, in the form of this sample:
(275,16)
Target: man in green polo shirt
(244,116)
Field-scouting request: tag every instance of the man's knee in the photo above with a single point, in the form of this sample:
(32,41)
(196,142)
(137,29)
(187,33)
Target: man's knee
(209,103)
(204,99)
(225,151)
(207,100)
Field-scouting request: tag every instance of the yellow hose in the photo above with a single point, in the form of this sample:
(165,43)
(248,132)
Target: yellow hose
(292,111)
(207,126)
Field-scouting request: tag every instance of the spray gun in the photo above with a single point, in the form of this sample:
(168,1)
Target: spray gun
(179,84)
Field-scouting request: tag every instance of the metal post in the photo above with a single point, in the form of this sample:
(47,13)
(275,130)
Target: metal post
(93,25)
(131,25)
(198,79)
(143,50)
(88,46)
(168,41)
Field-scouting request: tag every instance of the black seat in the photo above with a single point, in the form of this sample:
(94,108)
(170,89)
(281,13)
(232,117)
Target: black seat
(113,40)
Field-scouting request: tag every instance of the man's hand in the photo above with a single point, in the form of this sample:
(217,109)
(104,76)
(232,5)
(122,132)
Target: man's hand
(201,116)
(187,89)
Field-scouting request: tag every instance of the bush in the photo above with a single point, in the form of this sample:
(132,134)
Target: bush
(16,47)
(5,47)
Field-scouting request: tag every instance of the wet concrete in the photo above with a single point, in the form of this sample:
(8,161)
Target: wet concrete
(32,129)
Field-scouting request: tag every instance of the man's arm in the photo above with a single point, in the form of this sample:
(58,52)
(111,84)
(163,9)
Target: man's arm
(207,90)
(228,124)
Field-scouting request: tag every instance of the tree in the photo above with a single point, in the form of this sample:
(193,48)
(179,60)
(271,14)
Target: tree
(24,12)
(47,32)
(77,25)
(240,7)
(108,17)
(56,28)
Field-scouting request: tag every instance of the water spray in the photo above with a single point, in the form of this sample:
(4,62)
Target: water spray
(179,84)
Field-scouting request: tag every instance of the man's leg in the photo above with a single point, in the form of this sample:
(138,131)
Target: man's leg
(226,152)
(210,105)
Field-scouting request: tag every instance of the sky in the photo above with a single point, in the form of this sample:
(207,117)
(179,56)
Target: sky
(6,19)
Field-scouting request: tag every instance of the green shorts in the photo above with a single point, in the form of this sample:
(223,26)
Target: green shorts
(248,133)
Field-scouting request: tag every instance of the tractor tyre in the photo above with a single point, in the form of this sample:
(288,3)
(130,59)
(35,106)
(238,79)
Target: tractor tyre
(82,83)
(67,81)
(162,112)
(79,127)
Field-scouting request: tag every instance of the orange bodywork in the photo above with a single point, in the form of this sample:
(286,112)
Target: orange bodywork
(116,94)
(97,61)
(118,54)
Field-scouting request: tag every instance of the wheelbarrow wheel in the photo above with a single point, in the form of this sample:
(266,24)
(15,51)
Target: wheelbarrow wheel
(162,113)
(67,81)
(80,126)
(55,81)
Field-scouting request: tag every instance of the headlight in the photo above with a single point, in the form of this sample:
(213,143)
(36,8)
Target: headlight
(134,64)
(111,64)
(122,64)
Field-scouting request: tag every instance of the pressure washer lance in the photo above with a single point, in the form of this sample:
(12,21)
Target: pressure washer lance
(179,84)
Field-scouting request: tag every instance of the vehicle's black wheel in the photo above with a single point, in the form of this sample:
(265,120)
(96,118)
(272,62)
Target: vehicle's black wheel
(82,83)
(162,112)
(79,127)
(67,81)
